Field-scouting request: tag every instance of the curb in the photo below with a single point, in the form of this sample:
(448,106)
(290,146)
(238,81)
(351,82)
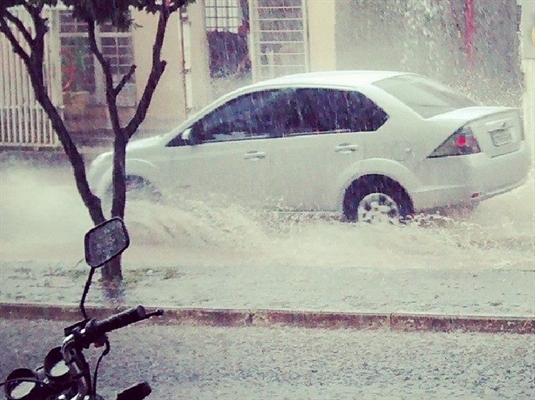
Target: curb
(413,322)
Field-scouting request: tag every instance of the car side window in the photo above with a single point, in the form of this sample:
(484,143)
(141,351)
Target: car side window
(303,118)
(332,111)
(255,115)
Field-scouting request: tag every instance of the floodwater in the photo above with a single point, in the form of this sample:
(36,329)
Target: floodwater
(43,218)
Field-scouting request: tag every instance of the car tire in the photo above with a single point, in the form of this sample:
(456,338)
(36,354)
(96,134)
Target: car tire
(138,188)
(377,200)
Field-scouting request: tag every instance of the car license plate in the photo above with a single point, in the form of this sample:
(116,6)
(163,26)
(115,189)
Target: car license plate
(501,137)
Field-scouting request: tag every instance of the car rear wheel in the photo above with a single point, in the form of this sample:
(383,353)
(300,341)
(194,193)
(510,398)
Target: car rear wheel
(376,201)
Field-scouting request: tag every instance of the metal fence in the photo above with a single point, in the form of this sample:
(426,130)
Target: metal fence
(23,122)
(279,38)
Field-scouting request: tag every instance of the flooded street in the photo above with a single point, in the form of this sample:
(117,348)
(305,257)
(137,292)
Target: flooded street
(42,218)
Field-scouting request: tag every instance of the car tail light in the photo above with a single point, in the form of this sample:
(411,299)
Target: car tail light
(460,143)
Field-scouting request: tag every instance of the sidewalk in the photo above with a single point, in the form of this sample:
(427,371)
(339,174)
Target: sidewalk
(415,293)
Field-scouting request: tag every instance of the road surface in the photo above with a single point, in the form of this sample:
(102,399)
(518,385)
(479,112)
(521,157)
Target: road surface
(187,362)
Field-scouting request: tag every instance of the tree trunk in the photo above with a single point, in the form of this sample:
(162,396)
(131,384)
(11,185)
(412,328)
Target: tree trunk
(112,280)
(29,44)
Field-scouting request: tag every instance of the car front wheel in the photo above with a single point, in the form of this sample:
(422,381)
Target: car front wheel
(138,188)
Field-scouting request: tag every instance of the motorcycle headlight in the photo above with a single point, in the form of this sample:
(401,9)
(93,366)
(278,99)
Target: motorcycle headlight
(24,384)
(56,371)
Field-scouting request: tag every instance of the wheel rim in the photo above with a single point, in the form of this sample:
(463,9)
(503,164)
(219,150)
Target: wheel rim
(377,208)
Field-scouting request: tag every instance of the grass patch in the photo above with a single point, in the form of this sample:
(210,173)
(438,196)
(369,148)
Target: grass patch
(171,273)
(23,270)
(133,277)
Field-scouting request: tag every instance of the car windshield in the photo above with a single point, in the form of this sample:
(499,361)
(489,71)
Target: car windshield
(424,96)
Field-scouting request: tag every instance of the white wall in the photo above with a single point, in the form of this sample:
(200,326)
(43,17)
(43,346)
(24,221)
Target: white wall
(528,64)
(321,33)
(168,105)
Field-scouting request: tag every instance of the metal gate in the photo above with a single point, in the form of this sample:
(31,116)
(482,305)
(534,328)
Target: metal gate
(279,38)
(23,122)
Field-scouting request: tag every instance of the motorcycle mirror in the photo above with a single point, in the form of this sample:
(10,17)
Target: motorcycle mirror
(105,242)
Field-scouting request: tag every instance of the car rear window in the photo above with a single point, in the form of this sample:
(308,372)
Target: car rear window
(423,95)
(340,110)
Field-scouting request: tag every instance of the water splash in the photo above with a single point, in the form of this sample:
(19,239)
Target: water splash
(499,234)
(42,218)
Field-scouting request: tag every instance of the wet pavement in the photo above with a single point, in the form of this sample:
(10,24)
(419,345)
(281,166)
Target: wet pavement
(481,292)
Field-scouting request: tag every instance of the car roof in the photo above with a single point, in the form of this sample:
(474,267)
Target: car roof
(336,78)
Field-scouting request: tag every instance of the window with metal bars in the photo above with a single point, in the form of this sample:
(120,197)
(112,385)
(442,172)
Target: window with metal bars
(78,63)
(279,38)
(223,15)
(227,25)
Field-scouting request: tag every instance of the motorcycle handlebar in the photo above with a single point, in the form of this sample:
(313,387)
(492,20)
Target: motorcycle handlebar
(118,321)
(93,332)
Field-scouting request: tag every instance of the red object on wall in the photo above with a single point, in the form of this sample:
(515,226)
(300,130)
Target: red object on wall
(469,31)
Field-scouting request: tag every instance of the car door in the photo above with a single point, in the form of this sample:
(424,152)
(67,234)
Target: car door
(331,137)
(228,151)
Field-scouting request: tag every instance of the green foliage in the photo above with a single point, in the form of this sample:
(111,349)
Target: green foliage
(114,12)
(13,3)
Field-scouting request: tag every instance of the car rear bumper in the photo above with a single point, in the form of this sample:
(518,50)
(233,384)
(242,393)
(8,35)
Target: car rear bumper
(468,179)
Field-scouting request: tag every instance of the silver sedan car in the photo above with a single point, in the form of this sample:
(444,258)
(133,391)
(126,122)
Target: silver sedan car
(370,145)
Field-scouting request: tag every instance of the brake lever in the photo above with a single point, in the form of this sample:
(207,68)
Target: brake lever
(158,313)
(75,327)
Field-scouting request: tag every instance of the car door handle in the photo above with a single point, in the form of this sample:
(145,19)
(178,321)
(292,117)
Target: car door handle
(346,148)
(254,155)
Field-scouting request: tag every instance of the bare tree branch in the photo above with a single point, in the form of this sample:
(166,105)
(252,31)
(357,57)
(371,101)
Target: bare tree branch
(20,26)
(157,70)
(111,95)
(16,46)
(33,60)
(91,202)
(176,5)
(119,146)
(29,44)
(94,47)
(37,55)
(124,80)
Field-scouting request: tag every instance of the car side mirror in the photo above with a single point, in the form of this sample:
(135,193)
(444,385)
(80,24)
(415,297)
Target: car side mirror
(105,242)
(188,137)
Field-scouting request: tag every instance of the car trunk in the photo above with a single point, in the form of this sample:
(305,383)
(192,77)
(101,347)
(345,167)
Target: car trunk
(499,133)
(498,130)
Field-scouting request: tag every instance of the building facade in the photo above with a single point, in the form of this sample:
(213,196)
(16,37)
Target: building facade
(214,46)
